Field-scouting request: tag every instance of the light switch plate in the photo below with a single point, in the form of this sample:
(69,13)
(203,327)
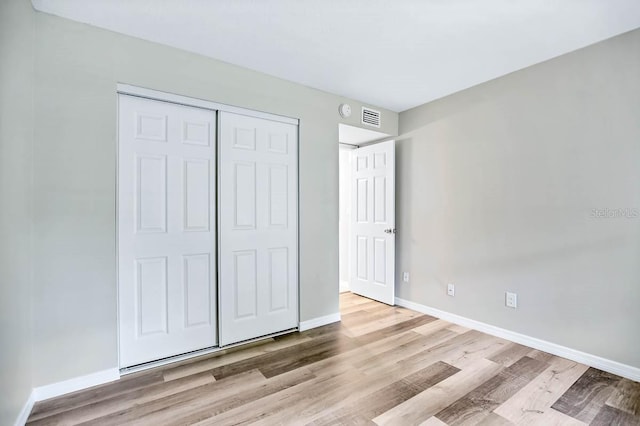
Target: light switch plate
(451,289)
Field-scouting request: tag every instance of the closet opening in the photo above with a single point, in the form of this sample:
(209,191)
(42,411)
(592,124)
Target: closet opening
(207,226)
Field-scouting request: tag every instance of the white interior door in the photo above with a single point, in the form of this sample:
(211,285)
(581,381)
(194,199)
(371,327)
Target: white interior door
(166,229)
(373,222)
(258,198)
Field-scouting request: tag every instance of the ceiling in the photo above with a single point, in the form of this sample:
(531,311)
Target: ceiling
(393,54)
(353,135)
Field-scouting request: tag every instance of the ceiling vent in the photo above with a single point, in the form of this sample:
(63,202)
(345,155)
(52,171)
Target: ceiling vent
(370,117)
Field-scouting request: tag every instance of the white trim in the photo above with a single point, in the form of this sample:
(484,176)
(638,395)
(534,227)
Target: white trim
(127,89)
(344,286)
(628,371)
(77,383)
(26,409)
(319,322)
(348,146)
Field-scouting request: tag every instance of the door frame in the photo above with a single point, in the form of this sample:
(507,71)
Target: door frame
(347,147)
(157,95)
(127,89)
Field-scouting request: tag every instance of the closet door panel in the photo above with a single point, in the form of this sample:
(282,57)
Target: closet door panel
(258,210)
(166,230)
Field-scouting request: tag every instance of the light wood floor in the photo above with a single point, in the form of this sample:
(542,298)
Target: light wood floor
(381,365)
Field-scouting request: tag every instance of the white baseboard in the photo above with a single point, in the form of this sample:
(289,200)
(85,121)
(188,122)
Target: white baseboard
(26,410)
(630,372)
(75,384)
(344,286)
(319,322)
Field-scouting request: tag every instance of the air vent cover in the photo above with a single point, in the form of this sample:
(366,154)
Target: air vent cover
(370,117)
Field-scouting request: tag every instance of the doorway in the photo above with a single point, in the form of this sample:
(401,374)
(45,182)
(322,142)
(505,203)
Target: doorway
(366,213)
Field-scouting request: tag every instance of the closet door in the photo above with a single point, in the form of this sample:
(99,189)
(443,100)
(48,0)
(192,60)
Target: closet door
(166,230)
(258,214)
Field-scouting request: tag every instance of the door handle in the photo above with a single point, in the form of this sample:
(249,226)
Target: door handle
(390,230)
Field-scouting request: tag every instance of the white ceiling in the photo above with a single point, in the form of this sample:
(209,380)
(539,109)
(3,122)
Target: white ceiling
(395,54)
(356,135)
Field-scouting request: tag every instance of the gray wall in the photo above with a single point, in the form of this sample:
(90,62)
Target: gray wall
(496,186)
(77,68)
(16,150)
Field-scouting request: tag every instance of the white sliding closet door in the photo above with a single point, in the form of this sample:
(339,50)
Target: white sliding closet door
(166,229)
(258,214)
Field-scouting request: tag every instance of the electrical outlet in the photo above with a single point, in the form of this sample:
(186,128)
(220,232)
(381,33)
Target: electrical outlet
(405,277)
(511,300)
(451,289)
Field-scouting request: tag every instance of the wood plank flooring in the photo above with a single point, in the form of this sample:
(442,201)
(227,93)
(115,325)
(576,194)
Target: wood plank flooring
(380,365)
